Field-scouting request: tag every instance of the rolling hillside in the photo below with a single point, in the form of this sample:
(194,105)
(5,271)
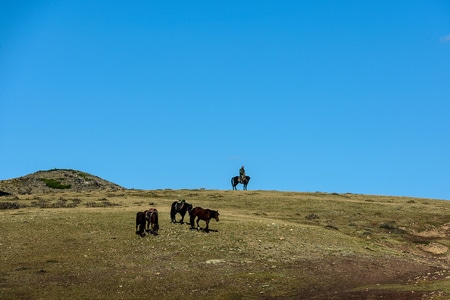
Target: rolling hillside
(81,244)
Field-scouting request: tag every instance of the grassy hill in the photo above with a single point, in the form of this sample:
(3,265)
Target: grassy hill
(55,180)
(267,245)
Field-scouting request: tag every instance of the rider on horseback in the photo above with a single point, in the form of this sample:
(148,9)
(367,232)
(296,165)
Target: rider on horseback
(242,174)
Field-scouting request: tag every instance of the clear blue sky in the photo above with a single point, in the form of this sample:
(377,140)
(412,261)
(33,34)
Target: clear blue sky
(331,96)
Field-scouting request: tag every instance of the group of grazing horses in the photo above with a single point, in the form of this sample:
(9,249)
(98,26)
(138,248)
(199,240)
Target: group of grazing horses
(147,221)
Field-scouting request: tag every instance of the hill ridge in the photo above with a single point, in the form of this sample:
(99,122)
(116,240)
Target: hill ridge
(56,180)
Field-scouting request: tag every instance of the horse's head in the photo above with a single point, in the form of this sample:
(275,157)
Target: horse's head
(155,229)
(189,207)
(216,215)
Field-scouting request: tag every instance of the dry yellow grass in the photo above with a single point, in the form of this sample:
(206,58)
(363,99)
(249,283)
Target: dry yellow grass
(267,244)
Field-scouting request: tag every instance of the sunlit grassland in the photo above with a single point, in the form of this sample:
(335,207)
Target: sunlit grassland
(90,250)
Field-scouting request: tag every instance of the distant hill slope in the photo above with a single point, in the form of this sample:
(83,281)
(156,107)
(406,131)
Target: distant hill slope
(56,180)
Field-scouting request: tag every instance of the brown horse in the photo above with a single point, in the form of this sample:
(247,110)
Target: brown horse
(147,217)
(203,214)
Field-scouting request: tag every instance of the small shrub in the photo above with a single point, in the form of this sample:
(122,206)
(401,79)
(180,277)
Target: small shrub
(388,225)
(41,203)
(422,242)
(330,226)
(9,205)
(312,217)
(392,227)
(62,203)
(83,175)
(102,203)
(76,200)
(54,184)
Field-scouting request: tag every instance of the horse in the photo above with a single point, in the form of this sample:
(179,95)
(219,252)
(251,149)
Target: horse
(203,214)
(179,208)
(149,218)
(237,179)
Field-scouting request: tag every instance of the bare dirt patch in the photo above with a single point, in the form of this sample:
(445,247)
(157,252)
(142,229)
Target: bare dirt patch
(362,278)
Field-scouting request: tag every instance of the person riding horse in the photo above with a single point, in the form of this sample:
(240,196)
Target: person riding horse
(242,174)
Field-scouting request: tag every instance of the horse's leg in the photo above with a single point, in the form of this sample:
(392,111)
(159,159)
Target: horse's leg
(198,224)
(150,222)
(139,227)
(152,228)
(137,224)
(175,217)
(182,218)
(142,225)
(207,226)
(147,224)
(173,213)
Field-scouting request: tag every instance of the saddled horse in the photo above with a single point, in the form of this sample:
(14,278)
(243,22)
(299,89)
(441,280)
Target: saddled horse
(237,179)
(203,214)
(179,208)
(147,221)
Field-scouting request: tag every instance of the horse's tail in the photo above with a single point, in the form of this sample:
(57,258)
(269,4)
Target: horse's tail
(140,223)
(173,211)
(192,217)
(156,225)
(234,182)
(137,221)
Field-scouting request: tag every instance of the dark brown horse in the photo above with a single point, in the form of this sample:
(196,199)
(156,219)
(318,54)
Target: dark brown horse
(147,221)
(179,207)
(236,180)
(203,214)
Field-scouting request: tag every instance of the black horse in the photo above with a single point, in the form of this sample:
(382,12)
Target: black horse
(236,179)
(149,218)
(179,208)
(203,214)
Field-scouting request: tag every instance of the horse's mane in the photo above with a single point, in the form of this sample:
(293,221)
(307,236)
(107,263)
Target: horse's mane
(212,212)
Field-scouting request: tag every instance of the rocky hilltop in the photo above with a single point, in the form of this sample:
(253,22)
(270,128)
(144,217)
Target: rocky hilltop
(55,180)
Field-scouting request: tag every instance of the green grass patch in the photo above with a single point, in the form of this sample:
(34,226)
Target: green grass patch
(55,184)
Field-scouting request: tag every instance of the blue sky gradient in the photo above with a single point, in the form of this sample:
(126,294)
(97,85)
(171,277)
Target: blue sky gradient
(331,96)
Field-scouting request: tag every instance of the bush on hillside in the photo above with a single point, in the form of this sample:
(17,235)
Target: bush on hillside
(54,184)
